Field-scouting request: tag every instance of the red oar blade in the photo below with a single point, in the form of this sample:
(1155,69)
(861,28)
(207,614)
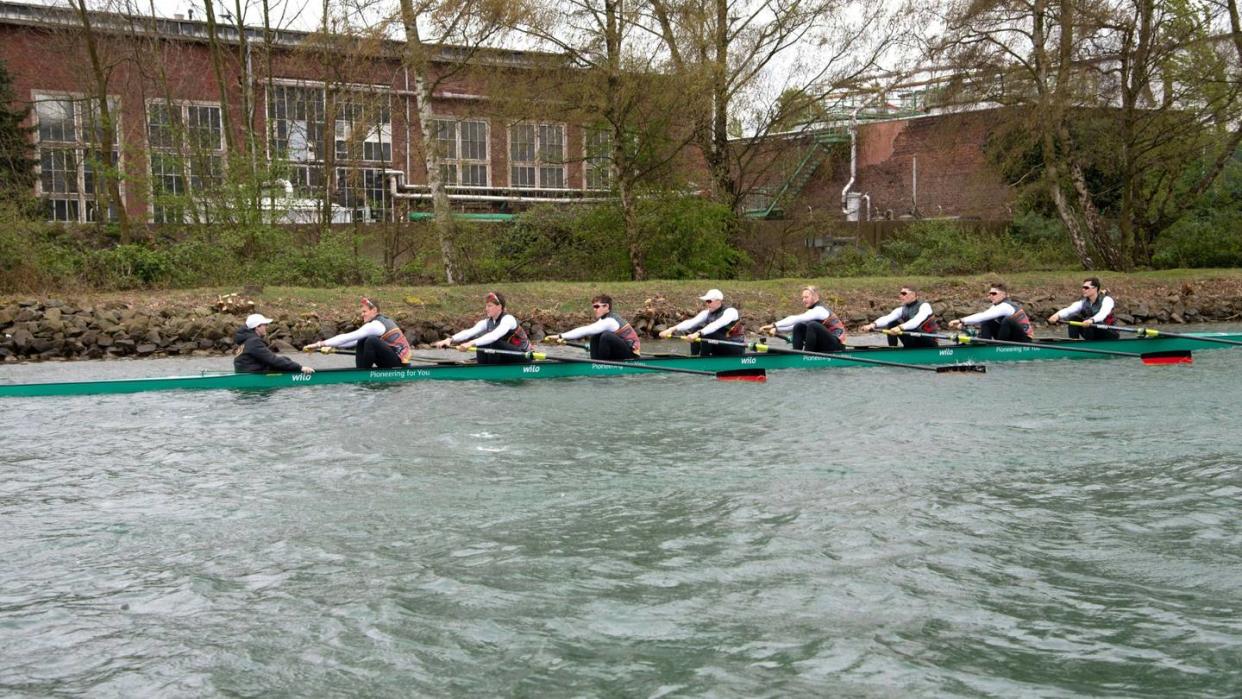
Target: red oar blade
(1170,357)
(742,375)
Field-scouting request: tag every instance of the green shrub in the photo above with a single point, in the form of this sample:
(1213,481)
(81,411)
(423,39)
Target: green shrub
(856,261)
(1211,239)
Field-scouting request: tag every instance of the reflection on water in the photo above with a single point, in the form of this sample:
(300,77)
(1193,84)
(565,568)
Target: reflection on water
(1052,529)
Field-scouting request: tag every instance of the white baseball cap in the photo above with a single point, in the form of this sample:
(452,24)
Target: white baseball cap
(712,295)
(254,320)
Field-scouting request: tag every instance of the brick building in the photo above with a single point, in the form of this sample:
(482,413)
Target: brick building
(174,131)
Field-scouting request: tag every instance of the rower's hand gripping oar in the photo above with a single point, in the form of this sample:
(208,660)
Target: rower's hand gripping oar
(944,369)
(1149,358)
(1152,332)
(729,375)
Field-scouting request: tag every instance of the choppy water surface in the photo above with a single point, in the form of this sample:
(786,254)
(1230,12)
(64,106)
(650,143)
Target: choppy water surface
(1046,529)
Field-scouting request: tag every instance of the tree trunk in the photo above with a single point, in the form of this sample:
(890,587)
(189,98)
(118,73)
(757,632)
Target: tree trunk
(415,60)
(108,124)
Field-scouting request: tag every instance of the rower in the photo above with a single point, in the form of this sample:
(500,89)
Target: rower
(817,329)
(1005,320)
(497,330)
(378,342)
(253,354)
(715,322)
(913,314)
(1094,309)
(611,337)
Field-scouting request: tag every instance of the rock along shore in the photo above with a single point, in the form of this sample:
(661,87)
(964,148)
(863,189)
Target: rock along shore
(53,329)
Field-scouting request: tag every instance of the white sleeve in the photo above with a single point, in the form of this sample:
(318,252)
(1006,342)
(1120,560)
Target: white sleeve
(507,324)
(692,323)
(925,312)
(1070,309)
(887,320)
(729,316)
(1106,307)
(1000,310)
(468,333)
(603,325)
(372,329)
(788,322)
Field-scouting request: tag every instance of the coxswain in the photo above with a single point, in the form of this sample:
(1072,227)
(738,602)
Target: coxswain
(1094,309)
(253,353)
(1005,320)
(611,337)
(497,330)
(715,322)
(817,329)
(378,342)
(913,314)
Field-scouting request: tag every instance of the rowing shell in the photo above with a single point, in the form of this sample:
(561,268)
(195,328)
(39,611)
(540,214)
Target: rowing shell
(552,369)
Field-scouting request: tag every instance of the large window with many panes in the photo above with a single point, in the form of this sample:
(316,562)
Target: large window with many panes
(461,145)
(361,142)
(537,155)
(186,147)
(597,160)
(71,158)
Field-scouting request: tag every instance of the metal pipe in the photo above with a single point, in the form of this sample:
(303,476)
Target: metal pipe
(867,196)
(914,183)
(845,209)
(395,175)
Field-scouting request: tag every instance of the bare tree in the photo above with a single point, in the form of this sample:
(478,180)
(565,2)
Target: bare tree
(468,26)
(1121,100)
(105,130)
(725,51)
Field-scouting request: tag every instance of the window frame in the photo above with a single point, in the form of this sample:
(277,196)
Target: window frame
(85,204)
(539,164)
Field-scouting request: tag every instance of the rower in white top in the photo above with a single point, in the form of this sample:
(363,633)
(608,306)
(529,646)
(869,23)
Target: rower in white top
(1005,320)
(817,329)
(1094,309)
(498,330)
(913,314)
(715,322)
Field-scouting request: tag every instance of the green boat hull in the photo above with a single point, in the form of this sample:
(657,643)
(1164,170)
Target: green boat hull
(550,369)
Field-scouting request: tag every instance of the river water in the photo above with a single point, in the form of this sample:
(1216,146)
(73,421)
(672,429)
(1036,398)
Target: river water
(1046,529)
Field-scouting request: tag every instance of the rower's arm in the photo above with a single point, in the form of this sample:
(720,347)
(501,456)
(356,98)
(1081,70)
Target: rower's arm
(1000,310)
(728,316)
(349,339)
(603,325)
(886,320)
(817,313)
(506,325)
(1106,308)
(468,333)
(1070,310)
(691,323)
(925,312)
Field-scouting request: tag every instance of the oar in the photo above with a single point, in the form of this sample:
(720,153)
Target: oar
(587,348)
(336,350)
(944,369)
(730,375)
(1151,332)
(1149,358)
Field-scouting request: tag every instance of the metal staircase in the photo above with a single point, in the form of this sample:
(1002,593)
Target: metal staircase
(814,156)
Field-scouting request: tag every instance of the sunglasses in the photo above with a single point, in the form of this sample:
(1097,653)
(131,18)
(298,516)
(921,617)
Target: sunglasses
(1087,286)
(707,303)
(598,305)
(903,293)
(993,293)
